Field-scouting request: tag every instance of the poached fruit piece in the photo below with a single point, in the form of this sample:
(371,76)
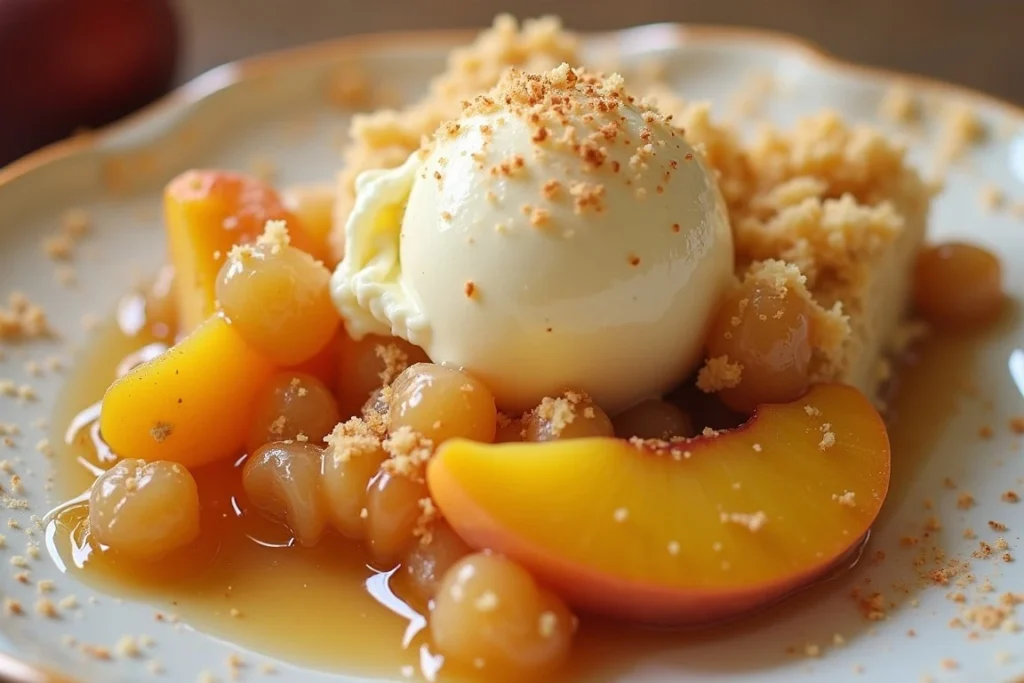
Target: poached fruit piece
(703,530)
(192,404)
(206,213)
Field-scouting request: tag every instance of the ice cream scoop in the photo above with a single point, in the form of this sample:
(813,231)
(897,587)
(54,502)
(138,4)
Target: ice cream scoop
(558,235)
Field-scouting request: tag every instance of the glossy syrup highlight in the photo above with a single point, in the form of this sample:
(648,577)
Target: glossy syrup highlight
(245,580)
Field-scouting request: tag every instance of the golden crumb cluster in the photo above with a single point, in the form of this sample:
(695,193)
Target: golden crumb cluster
(275,235)
(394,359)
(352,439)
(829,327)
(562,411)
(409,452)
(22,319)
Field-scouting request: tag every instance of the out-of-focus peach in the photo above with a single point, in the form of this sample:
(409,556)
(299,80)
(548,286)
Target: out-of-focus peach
(68,64)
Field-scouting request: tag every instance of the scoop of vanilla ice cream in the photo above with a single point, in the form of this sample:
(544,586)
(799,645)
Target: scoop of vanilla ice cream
(559,235)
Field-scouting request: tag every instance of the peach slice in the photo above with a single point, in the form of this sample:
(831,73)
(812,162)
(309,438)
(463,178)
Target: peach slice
(191,404)
(688,533)
(207,213)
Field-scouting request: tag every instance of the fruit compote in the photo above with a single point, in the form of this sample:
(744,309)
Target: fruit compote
(266,470)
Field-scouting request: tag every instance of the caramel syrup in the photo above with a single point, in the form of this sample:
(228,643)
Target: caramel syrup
(245,580)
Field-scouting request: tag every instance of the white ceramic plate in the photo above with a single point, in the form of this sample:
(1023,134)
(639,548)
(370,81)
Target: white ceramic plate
(276,108)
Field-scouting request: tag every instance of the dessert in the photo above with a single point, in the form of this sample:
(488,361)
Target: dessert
(582,353)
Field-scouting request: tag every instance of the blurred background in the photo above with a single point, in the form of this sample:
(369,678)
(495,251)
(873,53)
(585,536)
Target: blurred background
(72,64)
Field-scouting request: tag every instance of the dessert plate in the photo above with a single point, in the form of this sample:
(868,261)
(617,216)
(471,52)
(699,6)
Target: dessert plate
(935,594)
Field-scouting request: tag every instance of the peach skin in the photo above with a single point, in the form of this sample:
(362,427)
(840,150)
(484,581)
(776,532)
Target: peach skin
(687,533)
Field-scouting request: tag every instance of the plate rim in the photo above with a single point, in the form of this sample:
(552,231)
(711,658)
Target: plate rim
(15,669)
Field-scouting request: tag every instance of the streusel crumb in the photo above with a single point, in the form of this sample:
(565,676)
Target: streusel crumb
(275,235)
(719,373)
(961,128)
(899,105)
(428,517)
(352,439)
(22,320)
(830,328)
(409,451)
(560,412)
(395,361)
(753,522)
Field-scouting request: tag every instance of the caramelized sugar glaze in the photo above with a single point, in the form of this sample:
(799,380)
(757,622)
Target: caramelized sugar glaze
(246,579)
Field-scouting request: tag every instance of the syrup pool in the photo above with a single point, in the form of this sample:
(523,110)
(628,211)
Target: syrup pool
(245,580)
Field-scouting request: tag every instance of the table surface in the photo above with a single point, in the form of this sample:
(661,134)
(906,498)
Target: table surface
(977,43)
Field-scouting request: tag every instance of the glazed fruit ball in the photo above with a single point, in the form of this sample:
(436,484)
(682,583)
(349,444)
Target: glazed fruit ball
(278,298)
(144,509)
(395,506)
(490,615)
(291,406)
(350,462)
(765,327)
(206,213)
(957,284)
(653,419)
(282,479)
(509,429)
(427,562)
(442,403)
(366,365)
(572,416)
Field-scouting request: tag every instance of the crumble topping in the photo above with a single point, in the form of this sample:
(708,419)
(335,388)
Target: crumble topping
(961,128)
(352,439)
(275,235)
(395,361)
(899,105)
(753,522)
(560,412)
(128,646)
(160,431)
(846,499)
(409,451)
(425,521)
(22,320)
(719,373)
(828,437)
(587,197)
(830,328)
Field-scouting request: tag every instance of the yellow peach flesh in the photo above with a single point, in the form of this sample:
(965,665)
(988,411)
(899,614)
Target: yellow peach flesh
(191,404)
(727,524)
